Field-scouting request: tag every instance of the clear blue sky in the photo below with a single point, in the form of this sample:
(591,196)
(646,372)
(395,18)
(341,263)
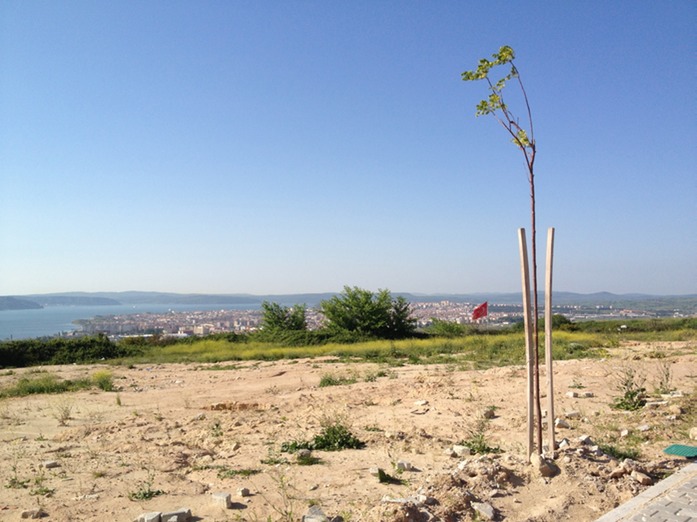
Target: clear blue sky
(300,146)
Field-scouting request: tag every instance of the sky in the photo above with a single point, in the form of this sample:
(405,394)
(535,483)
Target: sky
(277,147)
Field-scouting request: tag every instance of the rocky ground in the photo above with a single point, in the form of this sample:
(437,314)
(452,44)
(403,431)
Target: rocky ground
(172,436)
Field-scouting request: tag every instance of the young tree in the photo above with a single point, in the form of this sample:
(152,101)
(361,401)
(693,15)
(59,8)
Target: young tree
(277,317)
(523,137)
(367,313)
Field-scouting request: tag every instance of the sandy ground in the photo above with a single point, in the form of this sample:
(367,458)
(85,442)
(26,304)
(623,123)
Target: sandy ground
(185,430)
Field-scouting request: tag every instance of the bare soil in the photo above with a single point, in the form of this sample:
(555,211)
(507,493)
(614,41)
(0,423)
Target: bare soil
(186,431)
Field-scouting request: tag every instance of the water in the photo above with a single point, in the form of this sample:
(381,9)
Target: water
(54,320)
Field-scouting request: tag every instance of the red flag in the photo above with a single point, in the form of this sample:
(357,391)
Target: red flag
(480,311)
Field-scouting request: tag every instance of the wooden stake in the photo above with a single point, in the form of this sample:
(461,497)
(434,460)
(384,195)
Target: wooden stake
(548,341)
(529,355)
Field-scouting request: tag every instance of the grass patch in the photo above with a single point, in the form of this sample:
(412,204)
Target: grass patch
(44,383)
(329,379)
(104,380)
(334,436)
(620,453)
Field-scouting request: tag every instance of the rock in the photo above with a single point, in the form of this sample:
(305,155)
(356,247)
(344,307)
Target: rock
(693,433)
(571,394)
(154,516)
(561,423)
(675,409)
(644,428)
(641,478)
(375,471)
(585,439)
(34,513)
(542,465)
(485,511)
(563,444)
(180,515)
(222,499)
(49,464)
(587,395)
(403,465)
(420,403)
(303,453)
(624,433)
(244,492)
(618,472)
(460,451)
(573,414)
(653,405)
(315,514)
(489,413)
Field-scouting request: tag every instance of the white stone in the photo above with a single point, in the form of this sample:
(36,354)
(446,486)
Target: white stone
(243,492)
(222,499)
(485,510)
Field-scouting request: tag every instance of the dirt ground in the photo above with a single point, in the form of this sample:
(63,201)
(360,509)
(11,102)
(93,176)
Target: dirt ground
(184,432)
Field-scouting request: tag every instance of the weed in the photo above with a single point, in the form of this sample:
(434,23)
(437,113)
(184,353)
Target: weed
(145,490)
(104,380)
(629,383)
(620,453)
(44,383)
(216,429)
(335,380)
(118,399)
(63,412)
(307,459)
(476,440)
(665,377)
(224,472)
(386,478)
(334,436)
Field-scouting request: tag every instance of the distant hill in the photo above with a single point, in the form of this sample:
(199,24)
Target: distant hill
(15,303)
(686,303)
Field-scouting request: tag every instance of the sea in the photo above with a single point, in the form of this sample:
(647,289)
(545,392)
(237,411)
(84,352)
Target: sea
(58,320)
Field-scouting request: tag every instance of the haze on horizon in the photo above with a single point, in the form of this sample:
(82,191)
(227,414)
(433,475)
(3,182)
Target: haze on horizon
(297,147)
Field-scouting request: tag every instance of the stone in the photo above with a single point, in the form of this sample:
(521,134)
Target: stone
(693,433)
(303,453)
(485,510)
(585,439)
(573,414)
(641,478)
(624,433)
(421,403)
(644,428)
(563,444)
(571,394)
(49,464)
(618,472)
(315,514)
(34,513)
(180,515)
(587,395)
(403,465)
(489,413)
(222,499)
(561,423)
(244,492)
(542,465)
(375,471)
(154,516)
(460,451)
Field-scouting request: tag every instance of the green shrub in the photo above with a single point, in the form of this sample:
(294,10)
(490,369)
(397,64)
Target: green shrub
(104,380)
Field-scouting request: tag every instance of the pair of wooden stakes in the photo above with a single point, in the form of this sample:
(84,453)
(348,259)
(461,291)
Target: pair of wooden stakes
(531,338)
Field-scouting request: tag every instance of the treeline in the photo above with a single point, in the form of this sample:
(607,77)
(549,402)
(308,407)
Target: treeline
(355,316)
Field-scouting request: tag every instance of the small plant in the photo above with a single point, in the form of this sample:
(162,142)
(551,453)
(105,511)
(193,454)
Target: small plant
(307,459)
(145,490)
(477,435)
(630,385)
(620,453)
(665,377)
(224,472)
(386,478)
(118,399)
(63,412)
(329,379)
(216,429)
(104,380)
(335,436)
